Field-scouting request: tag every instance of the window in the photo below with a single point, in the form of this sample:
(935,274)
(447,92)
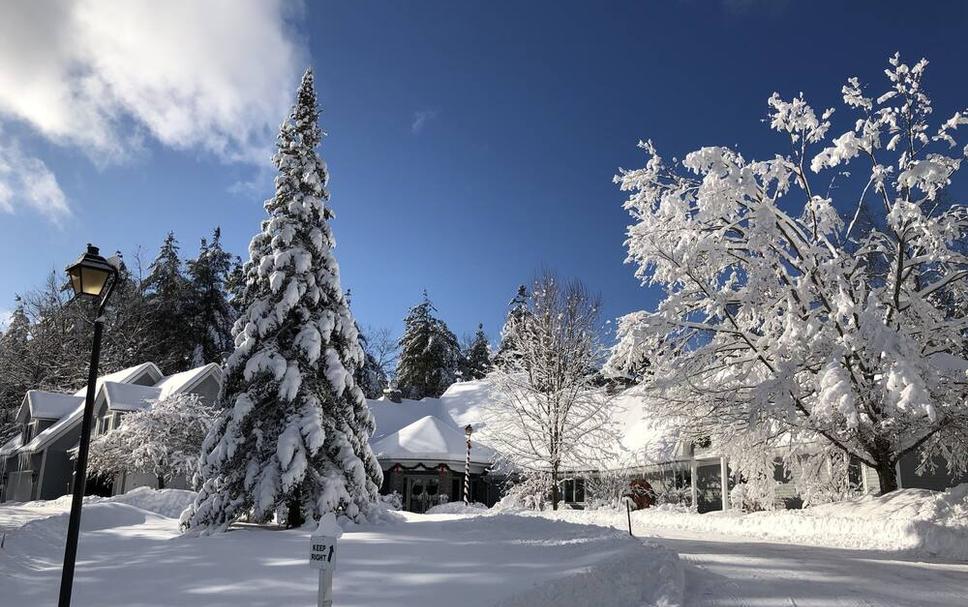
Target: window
(573,490)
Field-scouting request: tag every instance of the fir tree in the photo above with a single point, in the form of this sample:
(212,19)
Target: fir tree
(14,371)
(477,357)
(518,312)
(209,309)
(295,427)
(429,354)
(167,292)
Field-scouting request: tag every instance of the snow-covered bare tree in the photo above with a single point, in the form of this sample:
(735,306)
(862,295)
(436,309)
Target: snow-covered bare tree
(295,427)
(805,312)
(549,416)
(384,348)
(370,376)
(164,440)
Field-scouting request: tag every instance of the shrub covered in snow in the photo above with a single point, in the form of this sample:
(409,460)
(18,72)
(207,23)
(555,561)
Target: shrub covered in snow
(458,508)
(164,440)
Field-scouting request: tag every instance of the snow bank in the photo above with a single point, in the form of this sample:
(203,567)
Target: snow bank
(165,502)
(648,576)
(458,508)
(918,521)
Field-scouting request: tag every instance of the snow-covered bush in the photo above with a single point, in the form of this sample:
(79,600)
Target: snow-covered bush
(806,311)
(605,489)
(458,508)
(392,500)
(527,493)
(164,440)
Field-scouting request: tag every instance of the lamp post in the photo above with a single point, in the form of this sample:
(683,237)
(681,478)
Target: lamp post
(92,277)
(468,430)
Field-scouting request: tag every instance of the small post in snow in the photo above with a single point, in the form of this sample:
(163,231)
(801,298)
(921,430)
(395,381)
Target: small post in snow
(628,512)
(322,549)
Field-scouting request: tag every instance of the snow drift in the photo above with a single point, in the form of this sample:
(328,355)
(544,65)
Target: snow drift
(918,521)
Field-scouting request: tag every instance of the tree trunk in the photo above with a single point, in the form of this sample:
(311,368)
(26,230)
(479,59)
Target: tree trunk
(161,482)
(887,476)
(554,487)
(294,515)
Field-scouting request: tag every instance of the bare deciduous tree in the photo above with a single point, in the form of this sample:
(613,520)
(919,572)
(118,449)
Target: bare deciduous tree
(551,417)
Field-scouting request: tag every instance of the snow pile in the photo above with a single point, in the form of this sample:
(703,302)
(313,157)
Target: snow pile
(458,508)
(165,502)
(918,521)
(651,576)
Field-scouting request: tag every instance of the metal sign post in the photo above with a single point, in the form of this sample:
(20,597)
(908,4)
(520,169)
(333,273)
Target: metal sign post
(322,549)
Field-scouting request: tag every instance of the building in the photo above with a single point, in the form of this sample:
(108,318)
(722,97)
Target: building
(37,463)
(421,447)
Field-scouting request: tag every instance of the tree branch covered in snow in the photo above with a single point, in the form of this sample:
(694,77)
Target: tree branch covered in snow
(785,311)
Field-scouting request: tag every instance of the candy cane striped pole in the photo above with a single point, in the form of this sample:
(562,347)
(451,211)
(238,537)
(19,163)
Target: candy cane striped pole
(467,463)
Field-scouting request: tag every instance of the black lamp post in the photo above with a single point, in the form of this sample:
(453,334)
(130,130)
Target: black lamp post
(92,277)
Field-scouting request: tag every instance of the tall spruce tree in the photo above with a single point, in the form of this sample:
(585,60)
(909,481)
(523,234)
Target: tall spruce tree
(167,292)
(210,312)
(15,376)
(477,357)
(518,311)
(295,427)
(430,355)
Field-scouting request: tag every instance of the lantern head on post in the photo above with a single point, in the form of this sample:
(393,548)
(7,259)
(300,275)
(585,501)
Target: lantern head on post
(468,430)
(91,274)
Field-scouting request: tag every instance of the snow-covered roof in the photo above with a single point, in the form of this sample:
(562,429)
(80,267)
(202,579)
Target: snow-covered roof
(126,376)
(129,397)
(646,439)
(430,438)
(11,445)
(122,395)
(186,380)
(39,404)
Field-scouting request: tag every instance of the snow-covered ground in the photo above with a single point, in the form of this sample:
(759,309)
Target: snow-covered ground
(906,549)
(915,521)
(131,553)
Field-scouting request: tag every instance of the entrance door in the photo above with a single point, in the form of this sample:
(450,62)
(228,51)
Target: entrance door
(422,493)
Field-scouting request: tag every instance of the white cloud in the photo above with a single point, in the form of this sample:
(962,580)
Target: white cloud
(420,120)
(27,180)
(105,76)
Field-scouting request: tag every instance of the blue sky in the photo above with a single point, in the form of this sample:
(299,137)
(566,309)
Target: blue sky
(469,143)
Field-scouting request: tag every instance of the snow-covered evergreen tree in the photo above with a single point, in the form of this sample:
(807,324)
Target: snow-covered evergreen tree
(430,355)
(15,376)
(806,314)
(164,440)
(168,293)
(517,313)
(477,356)
(295,427)
(210,312)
